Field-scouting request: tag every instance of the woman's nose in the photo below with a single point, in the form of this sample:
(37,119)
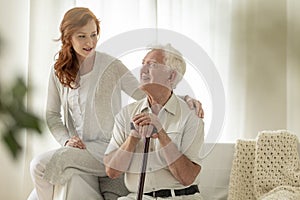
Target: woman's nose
(89,40)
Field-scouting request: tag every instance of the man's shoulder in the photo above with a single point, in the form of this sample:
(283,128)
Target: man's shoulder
(183,105)
(186,111)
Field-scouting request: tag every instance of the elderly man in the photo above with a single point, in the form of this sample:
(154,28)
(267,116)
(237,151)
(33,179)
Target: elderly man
(177,134)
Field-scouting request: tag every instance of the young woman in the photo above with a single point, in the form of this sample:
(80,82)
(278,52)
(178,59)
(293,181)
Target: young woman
(84,94)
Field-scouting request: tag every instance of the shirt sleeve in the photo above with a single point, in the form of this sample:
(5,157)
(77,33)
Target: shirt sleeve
(193,138)
(129,83)
(53,112)
(118,135)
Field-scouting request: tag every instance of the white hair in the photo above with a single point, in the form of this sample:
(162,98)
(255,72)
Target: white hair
(173,59)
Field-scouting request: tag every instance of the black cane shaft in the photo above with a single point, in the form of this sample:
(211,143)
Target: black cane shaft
(143,172)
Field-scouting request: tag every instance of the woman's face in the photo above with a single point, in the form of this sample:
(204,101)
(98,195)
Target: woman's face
(84,40)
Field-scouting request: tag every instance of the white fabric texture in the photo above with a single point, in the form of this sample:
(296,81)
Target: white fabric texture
(241,176)
(277,164)
(78,183)
(267,168)
(68,161)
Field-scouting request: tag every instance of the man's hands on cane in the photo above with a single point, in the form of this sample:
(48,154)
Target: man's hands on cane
(145,125)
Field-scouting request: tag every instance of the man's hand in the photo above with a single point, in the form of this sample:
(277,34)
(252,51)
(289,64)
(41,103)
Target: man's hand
(195,104)
(148,124)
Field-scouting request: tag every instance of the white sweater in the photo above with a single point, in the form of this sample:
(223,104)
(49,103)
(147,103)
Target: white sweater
(103,103)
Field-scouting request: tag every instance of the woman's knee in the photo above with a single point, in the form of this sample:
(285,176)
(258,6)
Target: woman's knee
(38,163)
(36,167)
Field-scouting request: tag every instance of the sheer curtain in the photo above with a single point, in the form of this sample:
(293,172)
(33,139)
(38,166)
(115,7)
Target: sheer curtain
(253,45)
(44,21)
(27,30)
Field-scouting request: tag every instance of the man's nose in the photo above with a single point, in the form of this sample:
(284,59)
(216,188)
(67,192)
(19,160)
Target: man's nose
(145,68)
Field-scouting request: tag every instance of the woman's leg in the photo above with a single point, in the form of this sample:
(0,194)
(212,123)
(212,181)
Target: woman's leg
(83,187)
(43,188)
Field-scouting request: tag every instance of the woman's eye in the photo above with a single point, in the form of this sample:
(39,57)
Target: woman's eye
(81,36)
(94,35)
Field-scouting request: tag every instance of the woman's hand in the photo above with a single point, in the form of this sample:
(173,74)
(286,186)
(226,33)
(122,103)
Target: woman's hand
(76,142)
(195,104)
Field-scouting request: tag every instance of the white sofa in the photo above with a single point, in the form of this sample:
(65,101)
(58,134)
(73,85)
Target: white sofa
(215,174)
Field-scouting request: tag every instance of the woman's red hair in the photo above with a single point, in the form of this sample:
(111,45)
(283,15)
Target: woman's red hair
(67,66)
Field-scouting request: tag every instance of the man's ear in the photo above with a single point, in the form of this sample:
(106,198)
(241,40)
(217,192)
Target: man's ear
(173,76)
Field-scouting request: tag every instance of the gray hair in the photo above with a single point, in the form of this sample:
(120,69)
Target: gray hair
(173,59)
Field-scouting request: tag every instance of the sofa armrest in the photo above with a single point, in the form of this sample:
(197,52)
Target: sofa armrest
(215,173)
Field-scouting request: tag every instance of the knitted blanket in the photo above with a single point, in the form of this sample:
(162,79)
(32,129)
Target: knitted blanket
(267,168)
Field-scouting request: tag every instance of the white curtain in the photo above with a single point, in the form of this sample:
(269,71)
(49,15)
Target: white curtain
(27,30)
(253,44)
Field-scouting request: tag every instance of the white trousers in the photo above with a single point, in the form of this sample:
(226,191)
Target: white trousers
(77,188)
(43,189)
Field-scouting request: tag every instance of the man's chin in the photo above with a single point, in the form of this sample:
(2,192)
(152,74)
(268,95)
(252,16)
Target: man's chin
(152,87)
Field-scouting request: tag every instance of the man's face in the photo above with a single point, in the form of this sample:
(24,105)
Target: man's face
(153,72)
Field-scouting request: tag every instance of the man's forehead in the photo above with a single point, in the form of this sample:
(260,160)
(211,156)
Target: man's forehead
(155,55)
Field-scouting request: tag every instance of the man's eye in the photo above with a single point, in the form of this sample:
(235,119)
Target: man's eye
(153,64)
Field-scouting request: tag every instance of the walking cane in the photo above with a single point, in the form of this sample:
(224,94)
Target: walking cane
(143,172)
(144,166)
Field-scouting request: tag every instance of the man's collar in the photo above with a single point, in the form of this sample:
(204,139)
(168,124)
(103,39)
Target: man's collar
(170,106)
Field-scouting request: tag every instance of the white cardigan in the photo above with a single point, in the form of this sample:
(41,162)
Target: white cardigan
(103,102)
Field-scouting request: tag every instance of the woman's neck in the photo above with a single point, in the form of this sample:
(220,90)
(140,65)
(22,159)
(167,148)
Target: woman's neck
(87,64)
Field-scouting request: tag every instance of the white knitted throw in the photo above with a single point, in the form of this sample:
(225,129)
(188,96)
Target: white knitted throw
(267,168)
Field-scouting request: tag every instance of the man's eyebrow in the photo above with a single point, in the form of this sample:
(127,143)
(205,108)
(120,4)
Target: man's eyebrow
(150,60)
(85,32)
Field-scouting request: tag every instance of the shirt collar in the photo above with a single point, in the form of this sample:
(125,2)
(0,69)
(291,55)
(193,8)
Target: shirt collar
(171,105)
